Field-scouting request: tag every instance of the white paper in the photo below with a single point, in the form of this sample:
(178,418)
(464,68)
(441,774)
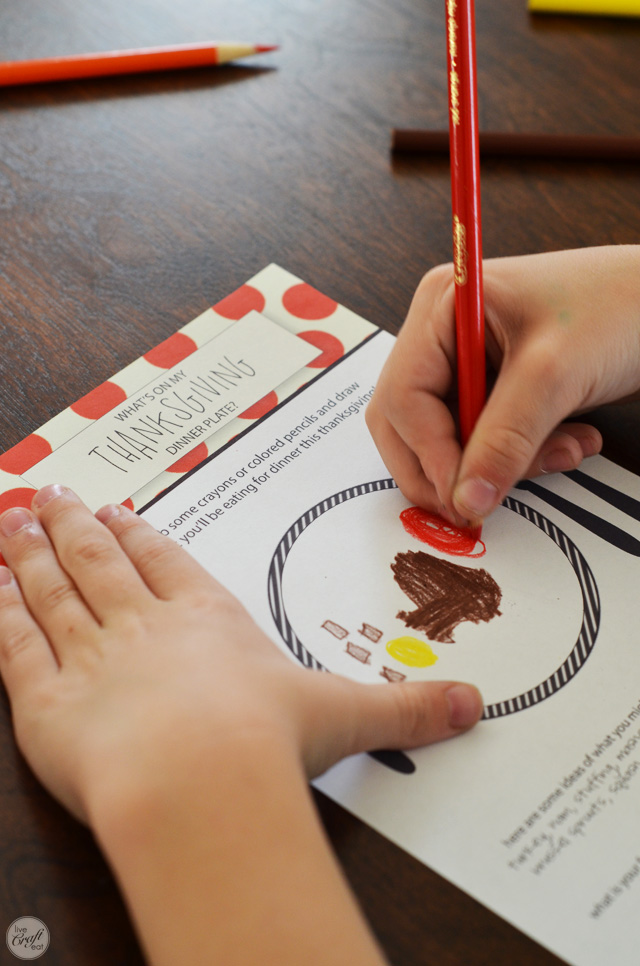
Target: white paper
(535,811)
(122,451)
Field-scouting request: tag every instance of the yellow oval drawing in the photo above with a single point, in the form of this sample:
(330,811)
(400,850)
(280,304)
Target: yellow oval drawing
(411,651)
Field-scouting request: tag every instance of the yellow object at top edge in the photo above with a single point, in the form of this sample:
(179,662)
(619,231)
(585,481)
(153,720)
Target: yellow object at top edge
(602,8)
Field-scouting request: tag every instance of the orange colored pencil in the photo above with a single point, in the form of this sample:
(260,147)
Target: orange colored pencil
(465,205)
(113,62)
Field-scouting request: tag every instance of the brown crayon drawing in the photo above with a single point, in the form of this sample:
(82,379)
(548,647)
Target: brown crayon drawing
(445,593)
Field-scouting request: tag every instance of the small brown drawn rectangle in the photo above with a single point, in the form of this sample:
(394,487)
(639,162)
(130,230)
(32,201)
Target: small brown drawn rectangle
(360,653)
(391,675)
(370,632)
(335,629)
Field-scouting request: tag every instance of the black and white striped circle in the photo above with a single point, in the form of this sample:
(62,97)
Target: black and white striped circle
(588,587)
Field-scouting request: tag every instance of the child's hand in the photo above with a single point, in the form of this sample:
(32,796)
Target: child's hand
(563,332)
(149,703)
(125,661)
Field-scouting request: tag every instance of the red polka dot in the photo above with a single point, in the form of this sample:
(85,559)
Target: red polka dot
(172,351)
(128,503)
(20,496)
(264,405)
(432,529)
(25,454)
(306,302)
(243,300)
(189,460)
(332,348)
(99,401)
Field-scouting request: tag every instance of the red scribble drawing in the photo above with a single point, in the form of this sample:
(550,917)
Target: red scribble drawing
(391,675)
(432,529)
(360,653)
(335,629)
(370,632)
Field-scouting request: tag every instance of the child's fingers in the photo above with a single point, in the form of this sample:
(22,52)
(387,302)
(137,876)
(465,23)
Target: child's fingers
(409,406)
(168,570)
(49,593)
(426,427)
(565,449)
(26,657)
(364,717)
(91,557)
(402,463)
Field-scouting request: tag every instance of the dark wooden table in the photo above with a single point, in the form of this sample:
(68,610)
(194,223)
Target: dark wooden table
(129,205)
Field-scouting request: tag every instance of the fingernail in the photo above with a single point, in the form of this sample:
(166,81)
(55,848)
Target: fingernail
(15,520)
(5,576)
(48,493)
(465,705)
(479,497)
(106,513)
(558,461)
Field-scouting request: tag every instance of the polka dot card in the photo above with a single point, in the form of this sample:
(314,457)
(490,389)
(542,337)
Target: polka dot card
(304,332)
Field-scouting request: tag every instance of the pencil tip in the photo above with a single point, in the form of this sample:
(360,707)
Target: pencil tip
(265,48)
(476,532)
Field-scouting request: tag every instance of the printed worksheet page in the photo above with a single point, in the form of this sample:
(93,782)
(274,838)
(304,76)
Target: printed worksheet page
(251,451)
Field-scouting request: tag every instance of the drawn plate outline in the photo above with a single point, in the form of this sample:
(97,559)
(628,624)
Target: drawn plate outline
(551,685)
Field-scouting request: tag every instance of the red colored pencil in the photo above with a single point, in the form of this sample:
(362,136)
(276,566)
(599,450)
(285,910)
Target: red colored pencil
(113,62)
(465,205)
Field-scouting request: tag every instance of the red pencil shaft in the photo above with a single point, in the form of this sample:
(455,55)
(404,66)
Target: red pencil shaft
(465,204)
(111,62)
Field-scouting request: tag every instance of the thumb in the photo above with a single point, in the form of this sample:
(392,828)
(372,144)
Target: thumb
(368,717)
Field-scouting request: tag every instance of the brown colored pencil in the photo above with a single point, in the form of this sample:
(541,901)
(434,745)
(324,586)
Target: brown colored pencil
(584,147)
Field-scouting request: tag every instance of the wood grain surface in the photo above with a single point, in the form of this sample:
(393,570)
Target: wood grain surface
(128,205)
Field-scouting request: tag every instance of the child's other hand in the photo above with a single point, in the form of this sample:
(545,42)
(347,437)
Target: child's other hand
(127,665)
